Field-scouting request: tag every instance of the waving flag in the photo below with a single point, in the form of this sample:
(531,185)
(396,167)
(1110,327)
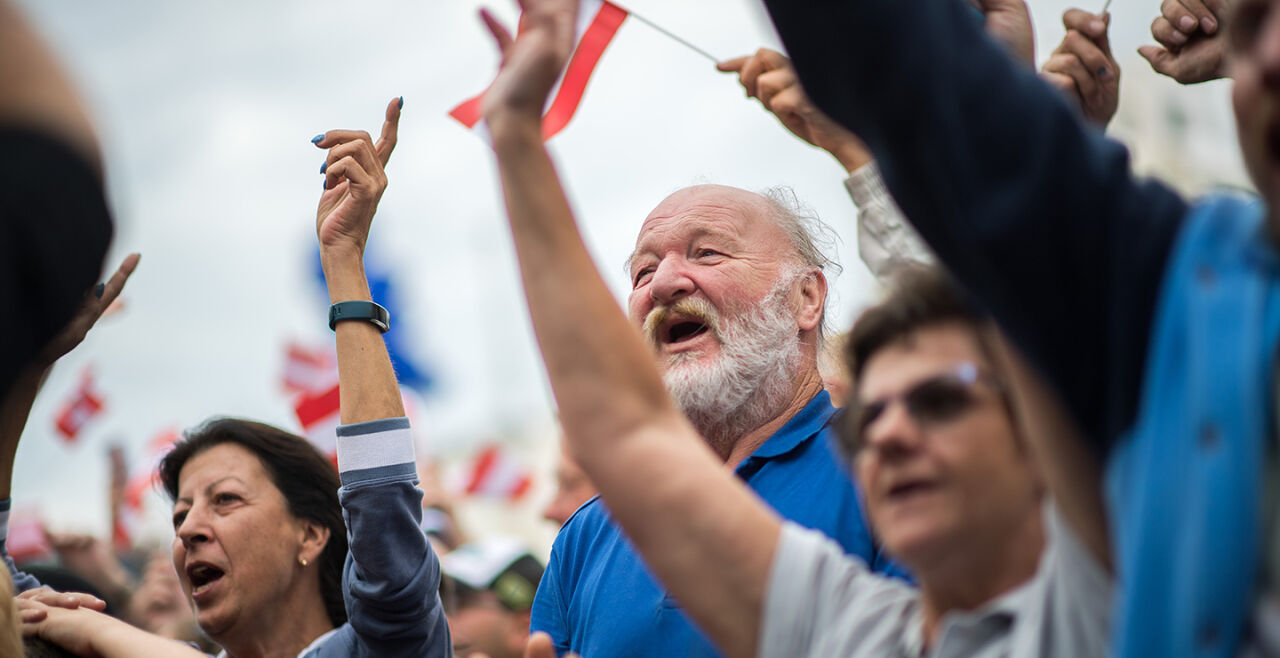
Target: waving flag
(598,21)
(81,408)
(495,473)
(318,413)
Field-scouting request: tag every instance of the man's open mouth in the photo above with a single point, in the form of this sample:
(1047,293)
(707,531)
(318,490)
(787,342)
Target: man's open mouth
(684,330)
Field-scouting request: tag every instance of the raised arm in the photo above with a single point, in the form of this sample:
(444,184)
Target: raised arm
(1037,215)
(16,405)
(391,577)
(704,535)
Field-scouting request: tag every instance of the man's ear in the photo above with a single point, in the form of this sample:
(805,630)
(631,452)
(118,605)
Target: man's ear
(312,540)
(813,299)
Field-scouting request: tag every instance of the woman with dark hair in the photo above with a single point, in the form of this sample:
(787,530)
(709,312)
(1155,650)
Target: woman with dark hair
(260,544)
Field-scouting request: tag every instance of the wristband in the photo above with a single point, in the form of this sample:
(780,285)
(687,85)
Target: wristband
(370,311)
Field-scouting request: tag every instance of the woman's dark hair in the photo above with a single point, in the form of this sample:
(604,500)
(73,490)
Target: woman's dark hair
(920,297)
(306,479)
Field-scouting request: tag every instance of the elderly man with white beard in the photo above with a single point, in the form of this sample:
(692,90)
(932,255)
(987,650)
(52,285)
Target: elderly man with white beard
(728,287)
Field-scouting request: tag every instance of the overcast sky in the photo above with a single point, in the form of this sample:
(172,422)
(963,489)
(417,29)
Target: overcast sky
(205,112)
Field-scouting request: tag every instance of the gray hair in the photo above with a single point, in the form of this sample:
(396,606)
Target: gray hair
(811,237)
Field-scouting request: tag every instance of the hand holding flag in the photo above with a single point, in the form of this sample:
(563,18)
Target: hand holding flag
(531,62)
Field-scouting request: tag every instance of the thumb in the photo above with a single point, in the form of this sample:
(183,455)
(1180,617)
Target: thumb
(1161,60)
(539,646)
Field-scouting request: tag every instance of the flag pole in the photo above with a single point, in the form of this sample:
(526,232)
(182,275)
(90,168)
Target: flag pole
(677,39)
(1106,6)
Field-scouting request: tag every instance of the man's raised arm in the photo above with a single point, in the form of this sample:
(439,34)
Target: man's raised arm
(705,536)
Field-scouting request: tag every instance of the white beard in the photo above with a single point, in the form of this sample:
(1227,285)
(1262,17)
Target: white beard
(751,381)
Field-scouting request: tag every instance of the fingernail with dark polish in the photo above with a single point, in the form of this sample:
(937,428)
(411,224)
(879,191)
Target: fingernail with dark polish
(324,166)
(1103,73)
(324,184)
(317,139)
(402,102)
(99,289)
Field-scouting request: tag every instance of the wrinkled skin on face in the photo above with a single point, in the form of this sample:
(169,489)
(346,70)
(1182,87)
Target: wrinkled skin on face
(963,486)
(709,242)
(1253,42)
(237,548)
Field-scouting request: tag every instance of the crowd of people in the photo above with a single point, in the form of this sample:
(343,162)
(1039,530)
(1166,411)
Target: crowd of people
(1056,435)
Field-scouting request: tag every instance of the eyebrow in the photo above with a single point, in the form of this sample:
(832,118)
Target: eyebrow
(210,486)
(697,234)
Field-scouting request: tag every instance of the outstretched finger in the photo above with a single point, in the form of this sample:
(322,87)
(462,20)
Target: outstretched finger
(115,285)
(499,31)
(733,65)
(390,130)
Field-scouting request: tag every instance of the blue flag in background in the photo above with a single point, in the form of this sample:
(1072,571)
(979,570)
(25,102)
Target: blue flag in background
(409,372)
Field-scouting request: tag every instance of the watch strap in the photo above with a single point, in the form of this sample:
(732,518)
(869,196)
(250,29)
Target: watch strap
(371,312)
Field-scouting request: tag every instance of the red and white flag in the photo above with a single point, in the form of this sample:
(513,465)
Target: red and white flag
(81,408)
(496,474)
(308,369)
(598,21)
(318,413)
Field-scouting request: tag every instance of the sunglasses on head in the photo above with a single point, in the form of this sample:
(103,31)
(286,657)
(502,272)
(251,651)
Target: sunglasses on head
(930,402)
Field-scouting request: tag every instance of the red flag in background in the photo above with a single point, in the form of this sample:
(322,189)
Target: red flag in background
(318,413)
(81,408)
(142,476)
(496,474)
(598,21)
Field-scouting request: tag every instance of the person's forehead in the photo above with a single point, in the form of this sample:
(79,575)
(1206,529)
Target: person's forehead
(924,353)
(218,462)
(709,209)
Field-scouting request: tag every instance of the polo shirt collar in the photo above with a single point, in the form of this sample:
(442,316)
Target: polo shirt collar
(811,419)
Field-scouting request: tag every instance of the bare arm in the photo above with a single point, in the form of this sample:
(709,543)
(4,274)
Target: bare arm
(86,632)
(34,90)
(704,534)
(354,182)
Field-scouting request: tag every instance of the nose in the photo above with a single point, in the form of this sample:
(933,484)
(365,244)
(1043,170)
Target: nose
(671,281)
(193,529)
(895,433)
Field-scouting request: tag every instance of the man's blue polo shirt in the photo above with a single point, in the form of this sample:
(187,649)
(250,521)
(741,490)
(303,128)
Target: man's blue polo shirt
(598,598)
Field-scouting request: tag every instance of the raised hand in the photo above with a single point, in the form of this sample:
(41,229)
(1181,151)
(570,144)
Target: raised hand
(1083,67)
(769,76)
(96,303)
(1192,46)
(354,180)
(1009,23)
(531,61)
